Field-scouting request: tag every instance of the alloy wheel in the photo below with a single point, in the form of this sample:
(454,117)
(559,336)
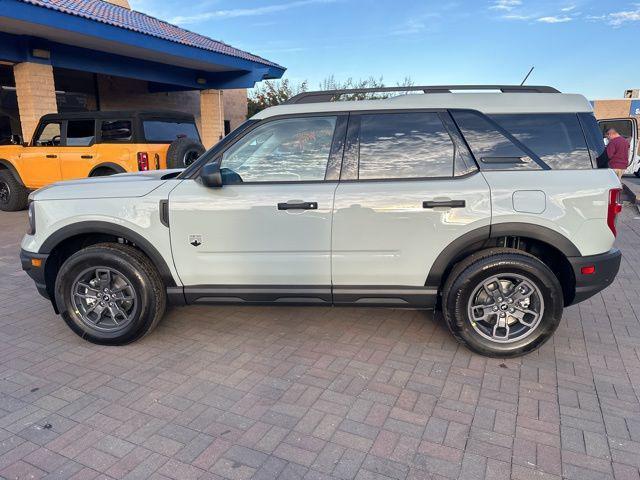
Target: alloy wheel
(104,299)
(5,192)
(506,308)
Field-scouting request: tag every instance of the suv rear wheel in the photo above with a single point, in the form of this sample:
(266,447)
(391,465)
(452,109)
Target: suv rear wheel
(13,195)
(110,294)
(502,302)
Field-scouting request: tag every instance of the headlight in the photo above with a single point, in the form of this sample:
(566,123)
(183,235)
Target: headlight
(32,218)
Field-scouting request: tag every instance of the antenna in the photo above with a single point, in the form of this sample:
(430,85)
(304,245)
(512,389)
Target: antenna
(527,76)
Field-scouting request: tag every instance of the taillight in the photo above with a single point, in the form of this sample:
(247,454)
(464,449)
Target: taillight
(143,161)
(614,208)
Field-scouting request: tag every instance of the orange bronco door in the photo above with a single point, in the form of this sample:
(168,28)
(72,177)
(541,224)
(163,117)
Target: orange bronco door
(41,159)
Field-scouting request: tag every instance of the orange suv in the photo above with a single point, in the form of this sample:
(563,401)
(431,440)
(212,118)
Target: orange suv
(88,144)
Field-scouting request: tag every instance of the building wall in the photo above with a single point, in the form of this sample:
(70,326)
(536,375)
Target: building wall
(611,108)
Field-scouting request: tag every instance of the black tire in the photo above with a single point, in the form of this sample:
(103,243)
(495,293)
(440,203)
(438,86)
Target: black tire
(125,262)
(13,195)
(462,288)
(183,152)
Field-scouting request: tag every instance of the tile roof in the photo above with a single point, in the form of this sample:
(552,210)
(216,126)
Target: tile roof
(104,12)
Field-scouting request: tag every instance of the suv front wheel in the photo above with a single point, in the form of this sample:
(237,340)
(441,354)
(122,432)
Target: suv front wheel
(110,294)
(502,302)
(13,195)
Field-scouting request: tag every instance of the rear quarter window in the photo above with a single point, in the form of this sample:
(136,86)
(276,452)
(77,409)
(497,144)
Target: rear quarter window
(166,131)
(558,139)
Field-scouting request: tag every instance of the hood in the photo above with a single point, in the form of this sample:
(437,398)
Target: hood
(122,185)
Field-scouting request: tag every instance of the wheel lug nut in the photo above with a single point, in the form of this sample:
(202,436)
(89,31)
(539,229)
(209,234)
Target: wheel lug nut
(511,310)
(495,309)
(102,304)
(502,315)
(111,304)
(499,299)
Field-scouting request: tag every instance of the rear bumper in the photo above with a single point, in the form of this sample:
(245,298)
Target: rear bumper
(36,273)
(606,268)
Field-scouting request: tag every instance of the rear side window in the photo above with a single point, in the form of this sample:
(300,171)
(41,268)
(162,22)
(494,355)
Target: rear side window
(164,131)
(115,130)
(404,145)
(80,133)
(556,138)
(493,149)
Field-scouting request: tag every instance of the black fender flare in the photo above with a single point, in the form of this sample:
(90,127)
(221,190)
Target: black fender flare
(12,169)
(477,238)
(97,227)
(113,166)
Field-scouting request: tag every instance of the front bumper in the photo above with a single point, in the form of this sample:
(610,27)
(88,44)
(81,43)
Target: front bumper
(35,272)
(606,268)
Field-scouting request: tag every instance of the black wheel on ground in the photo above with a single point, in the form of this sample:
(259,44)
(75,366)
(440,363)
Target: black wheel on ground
(502,302)
(13,195)
(183,152)
(110,294)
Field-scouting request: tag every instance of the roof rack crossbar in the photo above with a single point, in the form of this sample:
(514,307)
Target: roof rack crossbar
(321,96)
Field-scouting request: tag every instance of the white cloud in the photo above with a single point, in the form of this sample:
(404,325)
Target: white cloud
(554,19)
(568,9)
(618,18)
(246,12)
(505,5)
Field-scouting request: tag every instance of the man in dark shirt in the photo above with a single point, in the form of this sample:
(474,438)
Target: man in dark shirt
(617,151)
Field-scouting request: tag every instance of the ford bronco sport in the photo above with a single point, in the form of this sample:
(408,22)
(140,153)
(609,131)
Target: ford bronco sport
(91,144)
(486,205)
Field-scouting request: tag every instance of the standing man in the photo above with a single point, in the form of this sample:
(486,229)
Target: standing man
(617,151)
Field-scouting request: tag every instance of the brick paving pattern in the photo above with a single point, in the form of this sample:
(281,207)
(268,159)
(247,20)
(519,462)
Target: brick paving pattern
(317,393)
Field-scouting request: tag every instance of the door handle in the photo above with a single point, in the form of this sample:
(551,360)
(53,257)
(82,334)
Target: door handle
(52,156)
(444,203)
(86,156)
(298,206)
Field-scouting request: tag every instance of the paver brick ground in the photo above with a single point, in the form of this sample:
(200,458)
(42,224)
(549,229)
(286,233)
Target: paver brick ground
(317,393)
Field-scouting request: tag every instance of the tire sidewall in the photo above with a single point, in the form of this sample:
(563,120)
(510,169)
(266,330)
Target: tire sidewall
(17,199)
(139,280)
(462,288)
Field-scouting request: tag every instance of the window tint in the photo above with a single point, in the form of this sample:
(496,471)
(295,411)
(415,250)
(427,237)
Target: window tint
(166,131)
(595,140)
(80,133)
(556,138)
(115,130)
(404,145)
(289,150)
(49,135)
(491,148)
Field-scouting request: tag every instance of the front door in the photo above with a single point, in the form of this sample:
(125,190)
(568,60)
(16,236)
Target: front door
(41,160)
(411,189)
(628,128)
(266,234)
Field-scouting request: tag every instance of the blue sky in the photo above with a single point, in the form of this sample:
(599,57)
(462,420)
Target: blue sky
(582,46)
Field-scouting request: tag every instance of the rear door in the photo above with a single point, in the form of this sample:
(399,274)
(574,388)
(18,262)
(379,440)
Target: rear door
(78,153)
(409,189)
(628,128)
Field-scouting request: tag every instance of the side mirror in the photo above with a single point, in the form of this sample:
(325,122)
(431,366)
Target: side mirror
(16,140)
(211,176)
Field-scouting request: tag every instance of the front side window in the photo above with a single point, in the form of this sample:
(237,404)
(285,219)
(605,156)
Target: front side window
(404,145)
(49,135)
(115,130)
(80,133)
(166,131)
(556,138)
(288,150)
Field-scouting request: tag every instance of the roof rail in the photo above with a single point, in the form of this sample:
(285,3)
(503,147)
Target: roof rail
(330,95)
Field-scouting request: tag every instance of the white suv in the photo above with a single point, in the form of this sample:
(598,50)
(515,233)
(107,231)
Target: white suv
(487,205)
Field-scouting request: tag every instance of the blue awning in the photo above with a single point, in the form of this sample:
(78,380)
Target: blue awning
(96,36)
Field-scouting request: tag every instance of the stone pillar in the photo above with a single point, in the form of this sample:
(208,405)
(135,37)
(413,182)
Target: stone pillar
(121,3)
(211,117)
(36,94)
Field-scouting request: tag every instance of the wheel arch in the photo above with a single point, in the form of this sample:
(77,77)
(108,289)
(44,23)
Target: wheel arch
(110,165)
(71,238)
(7,165)
(549,246)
